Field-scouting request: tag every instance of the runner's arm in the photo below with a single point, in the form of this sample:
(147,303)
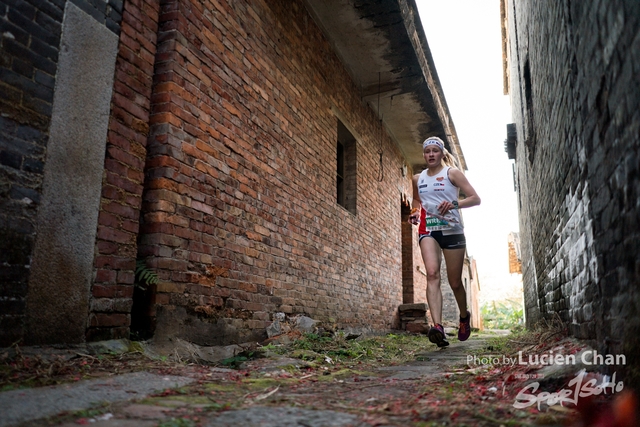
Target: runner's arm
(460,180)
(416,204)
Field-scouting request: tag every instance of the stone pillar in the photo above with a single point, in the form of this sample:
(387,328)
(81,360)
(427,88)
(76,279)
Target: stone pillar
(61,272)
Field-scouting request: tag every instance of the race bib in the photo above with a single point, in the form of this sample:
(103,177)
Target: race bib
(435,224)
(435,221)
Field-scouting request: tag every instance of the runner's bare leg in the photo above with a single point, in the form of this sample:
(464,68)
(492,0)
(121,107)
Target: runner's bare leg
(431,255)
(454,259)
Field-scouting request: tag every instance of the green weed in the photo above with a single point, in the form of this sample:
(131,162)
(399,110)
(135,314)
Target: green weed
(144,276)
(177,422)
(390,348)
(237,360)
(507,314)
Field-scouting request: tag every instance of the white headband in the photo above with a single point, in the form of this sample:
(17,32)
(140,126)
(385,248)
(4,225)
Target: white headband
(433,141)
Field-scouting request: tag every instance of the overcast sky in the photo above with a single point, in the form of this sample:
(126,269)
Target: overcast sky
(465,41)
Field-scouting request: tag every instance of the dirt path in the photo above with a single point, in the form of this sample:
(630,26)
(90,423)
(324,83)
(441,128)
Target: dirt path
(431,387)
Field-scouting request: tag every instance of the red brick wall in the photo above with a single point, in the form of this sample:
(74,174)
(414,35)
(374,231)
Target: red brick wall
(239,213)
(413,272)
(118,223)
(408,264)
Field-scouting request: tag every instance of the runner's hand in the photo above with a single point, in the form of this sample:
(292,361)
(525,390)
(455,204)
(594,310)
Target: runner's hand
(414,218)
(445,207)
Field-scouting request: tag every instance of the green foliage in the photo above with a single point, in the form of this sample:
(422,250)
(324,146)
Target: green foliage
(507,314)
(505,344)
(237,360)
(177,422)
(144,276)
(312,342)
(90,412)
(388,348)
(219,407)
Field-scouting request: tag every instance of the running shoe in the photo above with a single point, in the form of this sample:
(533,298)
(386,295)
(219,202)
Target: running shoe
(465,327)
(436,336)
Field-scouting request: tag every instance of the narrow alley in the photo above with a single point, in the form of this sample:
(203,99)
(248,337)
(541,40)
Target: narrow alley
(178,176)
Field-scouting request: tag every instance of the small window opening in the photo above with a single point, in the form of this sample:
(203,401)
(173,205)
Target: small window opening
(346,169)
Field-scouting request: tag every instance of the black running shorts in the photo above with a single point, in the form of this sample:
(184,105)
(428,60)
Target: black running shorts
(451,241)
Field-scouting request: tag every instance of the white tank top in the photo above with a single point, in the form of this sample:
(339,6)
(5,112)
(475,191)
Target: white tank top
(434,190)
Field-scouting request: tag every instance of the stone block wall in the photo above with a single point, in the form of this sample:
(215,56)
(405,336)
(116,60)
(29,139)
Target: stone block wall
(575,94)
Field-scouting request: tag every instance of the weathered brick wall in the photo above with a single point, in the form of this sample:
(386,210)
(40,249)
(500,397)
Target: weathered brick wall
(238,105)
(575,98)
(28,55)
(118,222)
(240,213)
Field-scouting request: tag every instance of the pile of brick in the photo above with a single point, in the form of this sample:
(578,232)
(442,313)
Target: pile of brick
(414,317)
